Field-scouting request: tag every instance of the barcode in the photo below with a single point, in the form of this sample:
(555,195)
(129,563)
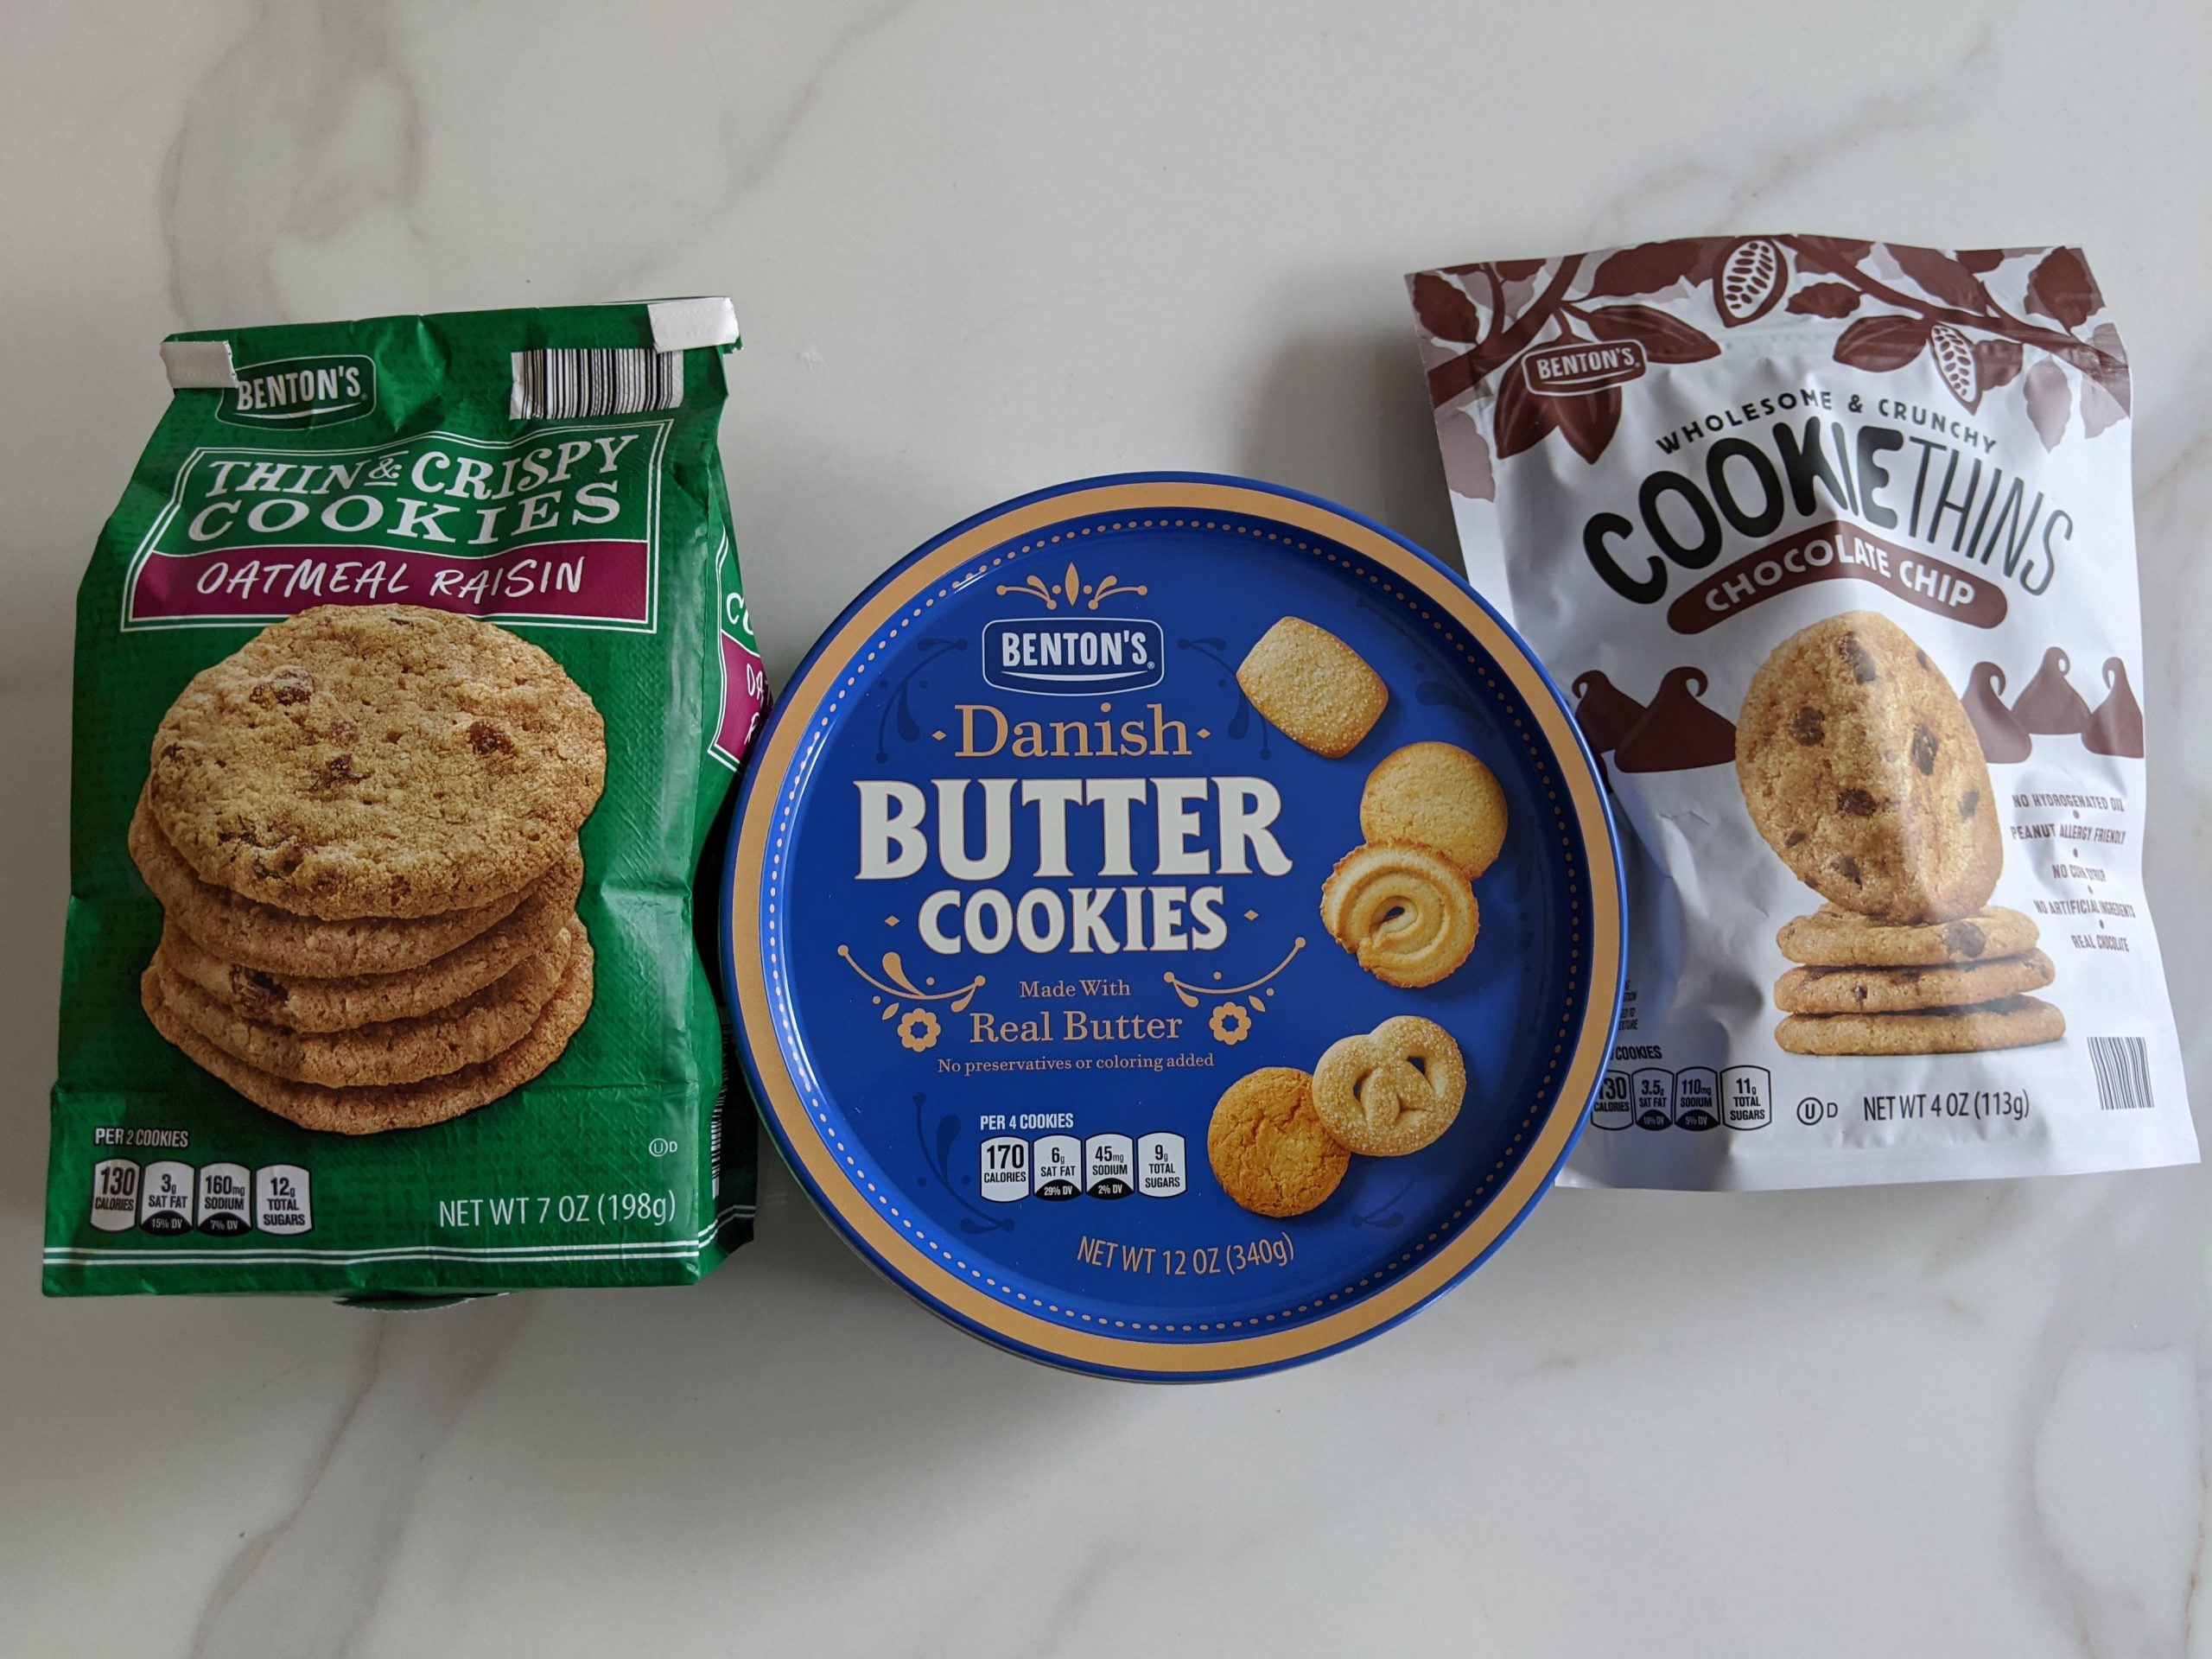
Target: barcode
(714,1141)
(573,383)
(2123,1069)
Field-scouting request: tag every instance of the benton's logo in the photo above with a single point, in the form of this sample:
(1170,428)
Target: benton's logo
(301,391)
(1072,656)
(1586,366)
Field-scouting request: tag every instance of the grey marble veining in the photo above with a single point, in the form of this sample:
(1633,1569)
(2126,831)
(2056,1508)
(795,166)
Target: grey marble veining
(977,247)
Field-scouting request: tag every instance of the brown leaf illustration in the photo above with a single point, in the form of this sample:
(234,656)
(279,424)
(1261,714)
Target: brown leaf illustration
(1665,338)
(1449,379)
(1942,277)
(1587,422)
(1881,344)
(1981,261)
(1649,267)
(2109,369)
(1954,356)
(2049,400)
(2095,366)
(1523,418)
(1825,300)
(1517,270)
(2061,287)
(1445,310)
(1829,254)
(2100,408)
(1996,363)
(1751,276)
(1466,456)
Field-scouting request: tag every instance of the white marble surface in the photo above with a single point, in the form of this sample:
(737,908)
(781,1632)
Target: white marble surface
(980,247)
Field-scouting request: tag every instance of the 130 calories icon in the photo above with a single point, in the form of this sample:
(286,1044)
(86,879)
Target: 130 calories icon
(1696,1098)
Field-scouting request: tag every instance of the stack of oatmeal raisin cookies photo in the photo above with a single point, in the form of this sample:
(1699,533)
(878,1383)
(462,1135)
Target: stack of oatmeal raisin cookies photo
(1861,770)
(362,829)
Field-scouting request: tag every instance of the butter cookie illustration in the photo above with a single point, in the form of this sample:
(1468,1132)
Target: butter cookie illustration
(1860,769)
(1407,913)
(1268,1147)
(1316,690)
(1438,796)
(1393,1091)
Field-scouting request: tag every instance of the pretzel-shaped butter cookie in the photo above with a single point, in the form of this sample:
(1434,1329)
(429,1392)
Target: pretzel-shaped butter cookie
(1394,1091)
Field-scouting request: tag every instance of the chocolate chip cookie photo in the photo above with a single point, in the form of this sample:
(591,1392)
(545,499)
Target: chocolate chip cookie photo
(1860,769)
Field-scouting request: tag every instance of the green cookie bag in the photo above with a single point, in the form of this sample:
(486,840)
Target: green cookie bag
(413,675)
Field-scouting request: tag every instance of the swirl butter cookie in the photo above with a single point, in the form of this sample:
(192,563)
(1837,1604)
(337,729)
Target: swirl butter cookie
(1406,912)
(1268,1147)
(1860,769)
(2008,1022)
(298,1002)
(1392,1090)
(467,1034)
(1438,796)
(1899,990)
(1316,690)
(1840,938)
(374,1108)
(377,760)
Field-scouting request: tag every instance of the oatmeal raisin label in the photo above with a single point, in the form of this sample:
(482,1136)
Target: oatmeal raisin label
(1831,543)
(550,527)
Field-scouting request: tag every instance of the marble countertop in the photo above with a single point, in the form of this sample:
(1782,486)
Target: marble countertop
(979,247)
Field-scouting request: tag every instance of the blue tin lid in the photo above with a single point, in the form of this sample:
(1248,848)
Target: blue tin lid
(1127,956)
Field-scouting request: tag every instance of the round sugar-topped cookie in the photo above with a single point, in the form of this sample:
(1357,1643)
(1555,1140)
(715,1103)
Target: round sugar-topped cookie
(377,760)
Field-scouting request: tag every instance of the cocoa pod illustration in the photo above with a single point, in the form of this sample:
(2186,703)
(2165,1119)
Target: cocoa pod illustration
(2002,739)
(1954,355)
(2050,707)
(2117,727)
(1750,279)
(1604,712)
(1677,732)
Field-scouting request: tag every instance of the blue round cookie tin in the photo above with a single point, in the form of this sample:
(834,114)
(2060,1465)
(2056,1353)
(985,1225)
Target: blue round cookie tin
(1025,921)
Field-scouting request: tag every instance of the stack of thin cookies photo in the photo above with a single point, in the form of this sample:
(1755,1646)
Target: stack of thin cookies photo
(362,830)
(1861,770)
(1872,988)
